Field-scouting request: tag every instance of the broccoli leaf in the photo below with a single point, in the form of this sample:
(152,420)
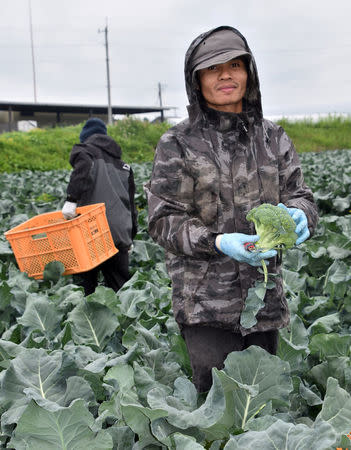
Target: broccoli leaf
(253,303)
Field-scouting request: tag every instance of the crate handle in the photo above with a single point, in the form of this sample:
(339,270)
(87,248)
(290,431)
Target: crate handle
(77,215)
(39,236)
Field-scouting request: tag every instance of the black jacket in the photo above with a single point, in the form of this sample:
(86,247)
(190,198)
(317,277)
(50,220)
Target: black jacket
(100,176)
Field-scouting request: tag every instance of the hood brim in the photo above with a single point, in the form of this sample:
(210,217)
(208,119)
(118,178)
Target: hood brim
(253,94)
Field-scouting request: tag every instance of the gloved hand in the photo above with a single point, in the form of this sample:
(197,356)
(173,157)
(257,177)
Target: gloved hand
(300,219)
(232,244)
(69,210)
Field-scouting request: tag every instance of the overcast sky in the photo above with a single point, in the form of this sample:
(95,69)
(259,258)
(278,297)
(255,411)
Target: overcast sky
(302,49)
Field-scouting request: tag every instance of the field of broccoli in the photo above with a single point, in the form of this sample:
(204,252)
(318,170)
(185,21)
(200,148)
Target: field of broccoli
(111,371)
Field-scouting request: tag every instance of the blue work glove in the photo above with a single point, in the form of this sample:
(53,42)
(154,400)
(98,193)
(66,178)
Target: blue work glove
(300,219)
(232,244)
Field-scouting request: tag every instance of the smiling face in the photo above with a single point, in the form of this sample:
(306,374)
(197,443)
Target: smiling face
(224,85)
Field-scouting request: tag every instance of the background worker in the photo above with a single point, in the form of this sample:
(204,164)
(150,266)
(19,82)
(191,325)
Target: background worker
(209,172)
(100,176)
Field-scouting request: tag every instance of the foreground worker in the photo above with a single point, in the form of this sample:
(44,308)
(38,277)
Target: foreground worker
(100,176)
(208,172)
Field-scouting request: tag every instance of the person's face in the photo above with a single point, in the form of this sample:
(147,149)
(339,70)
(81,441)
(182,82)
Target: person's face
(224,85)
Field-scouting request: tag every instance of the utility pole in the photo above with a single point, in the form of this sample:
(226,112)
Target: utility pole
(160,97)
(109,108)
(32,46)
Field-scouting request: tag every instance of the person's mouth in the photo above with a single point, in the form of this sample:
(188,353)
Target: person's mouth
(227,88)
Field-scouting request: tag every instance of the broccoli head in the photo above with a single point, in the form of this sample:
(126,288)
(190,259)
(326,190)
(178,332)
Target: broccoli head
(275,227)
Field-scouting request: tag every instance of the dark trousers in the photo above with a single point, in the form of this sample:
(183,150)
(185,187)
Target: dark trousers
(115,272)
(208,347)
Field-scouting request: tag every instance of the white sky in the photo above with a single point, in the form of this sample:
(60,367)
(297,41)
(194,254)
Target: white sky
(302,49)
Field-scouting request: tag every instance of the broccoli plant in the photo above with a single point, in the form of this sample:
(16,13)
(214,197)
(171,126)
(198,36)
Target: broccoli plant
(276,230)
(275,227)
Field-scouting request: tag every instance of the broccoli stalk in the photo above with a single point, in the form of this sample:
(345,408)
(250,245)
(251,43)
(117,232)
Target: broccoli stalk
(276,230)
(265,271)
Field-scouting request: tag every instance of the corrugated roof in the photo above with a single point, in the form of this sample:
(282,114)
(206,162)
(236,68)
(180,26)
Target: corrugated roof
(30,108)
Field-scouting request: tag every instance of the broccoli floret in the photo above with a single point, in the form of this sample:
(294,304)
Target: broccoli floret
(275,227)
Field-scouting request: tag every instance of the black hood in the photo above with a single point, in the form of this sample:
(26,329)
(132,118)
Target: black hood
(105,143)
(252,100)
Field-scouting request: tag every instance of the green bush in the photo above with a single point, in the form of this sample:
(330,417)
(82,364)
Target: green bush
(330,133)
(49,149)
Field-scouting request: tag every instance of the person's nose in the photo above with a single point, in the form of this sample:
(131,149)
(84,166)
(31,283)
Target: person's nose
(225,73)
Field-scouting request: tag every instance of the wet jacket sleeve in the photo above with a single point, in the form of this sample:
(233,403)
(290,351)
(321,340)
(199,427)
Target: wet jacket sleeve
(293,191)
(80,181)
(133,209)
(173,222)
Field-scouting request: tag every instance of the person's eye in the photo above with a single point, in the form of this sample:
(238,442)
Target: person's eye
(212,68)
(235,64)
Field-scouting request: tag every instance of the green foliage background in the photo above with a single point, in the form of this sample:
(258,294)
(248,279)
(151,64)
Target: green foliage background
(327,134)
(49,149)
(111,370)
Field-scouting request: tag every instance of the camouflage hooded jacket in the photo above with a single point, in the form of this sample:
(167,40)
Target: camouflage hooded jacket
(208,172)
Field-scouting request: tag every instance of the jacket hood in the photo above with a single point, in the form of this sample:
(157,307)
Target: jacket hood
(105,143)
(252,100)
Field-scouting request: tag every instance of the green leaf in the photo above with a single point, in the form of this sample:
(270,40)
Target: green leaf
(67,428)
(9,350)
(41,315)
(336,367)
(295,333)
(124,375)
(138,418)
(145,380)
(253,303)
(331,344)
(21,285)
(231,419)
(336,409)
(147,339)
(134,301)
(282,435)
(164,431)
(180,350)
(295,259)
(35,369)
(5,295)
(183,442)
(293,344)
(293,281)
(85,358)
(123,437)
(53,271)
(324,324)
(309,395)
(106,296)
(92,324)
(182,406)
(145,251)
(257,368)
(46,378)
(338,272)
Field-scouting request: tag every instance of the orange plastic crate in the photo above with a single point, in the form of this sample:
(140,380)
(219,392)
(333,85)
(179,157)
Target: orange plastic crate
(80,244)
